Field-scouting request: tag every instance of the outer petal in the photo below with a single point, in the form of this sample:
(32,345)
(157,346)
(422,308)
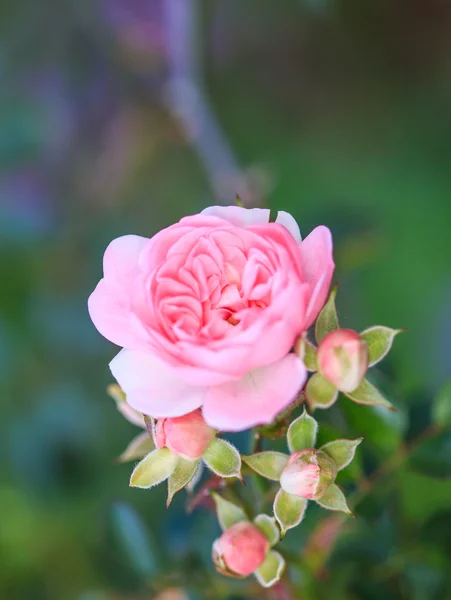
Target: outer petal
(256,398)
(317,268)
(289,222)
(237,215)
(109,309)
(110,303)
(153,388)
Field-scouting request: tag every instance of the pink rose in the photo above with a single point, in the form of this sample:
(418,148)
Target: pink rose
(343,359)
(208,310)
(308,474)
(241,549)
(187,436)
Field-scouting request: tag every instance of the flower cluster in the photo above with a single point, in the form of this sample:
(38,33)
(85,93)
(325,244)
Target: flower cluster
(212,315)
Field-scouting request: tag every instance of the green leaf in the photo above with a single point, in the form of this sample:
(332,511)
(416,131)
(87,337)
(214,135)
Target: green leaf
(319,392)
(267,464)
(268,527)
(334,499)
(182,475)
(433,456)
(271,570)
(341,451)
(223,459)
(288,510)
(154,468)
(441,409)
(327,320)
(141,445)
(130,533)
(228,513)
(302,433)
(367,394)
(306,352)
(379,340)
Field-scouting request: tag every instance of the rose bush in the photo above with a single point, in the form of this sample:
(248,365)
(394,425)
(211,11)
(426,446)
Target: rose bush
(208,310)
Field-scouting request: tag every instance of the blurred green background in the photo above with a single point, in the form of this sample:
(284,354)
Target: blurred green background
(122,116)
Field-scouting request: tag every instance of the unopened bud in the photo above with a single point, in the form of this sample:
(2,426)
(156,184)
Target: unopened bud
(187,436)
(240,550)
(342,359)
(308,474)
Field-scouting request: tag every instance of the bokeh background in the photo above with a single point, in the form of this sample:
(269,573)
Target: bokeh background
(122,116)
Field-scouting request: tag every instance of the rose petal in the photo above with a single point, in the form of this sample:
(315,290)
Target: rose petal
(317,269)
(289,222)
(152,388)
(256,398)
(237,215)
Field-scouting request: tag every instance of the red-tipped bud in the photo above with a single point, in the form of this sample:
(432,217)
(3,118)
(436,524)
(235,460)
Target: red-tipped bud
(240,550)
(187,436)
(342,359)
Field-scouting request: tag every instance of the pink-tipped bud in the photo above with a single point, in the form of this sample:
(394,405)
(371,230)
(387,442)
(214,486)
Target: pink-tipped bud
(342,359)
(187,436)
(308,474)
(240,550)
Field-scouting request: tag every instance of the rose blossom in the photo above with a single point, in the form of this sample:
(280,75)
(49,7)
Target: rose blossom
(241,549)
(343,359)
(208,310)
(188,436)
(308,474)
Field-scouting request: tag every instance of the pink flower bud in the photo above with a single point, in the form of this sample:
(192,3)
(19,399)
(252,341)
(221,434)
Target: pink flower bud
(188,436)
(308,474)
(342,359)
(241,549)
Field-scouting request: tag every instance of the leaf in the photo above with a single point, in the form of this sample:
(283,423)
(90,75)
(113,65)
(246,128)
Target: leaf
(306,352)
(441,409)
(334,499)
(268,527)
(154,468)
(267,464)
(319,392)
(271,570)
(228,513)
(367,394)
(141,445)
(223,458)
(302,433)
(197,477)
(379,340)
(182,475)
(327,320)
(132,535)
(433,456)
(288,510)
(341,451)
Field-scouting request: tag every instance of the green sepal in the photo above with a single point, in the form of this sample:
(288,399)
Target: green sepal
(341,451)
(223,458)
(327,320)
(270,572)
(306,352)
(302,433)
(367,394)
(334,499)
(319,392)
(379,340)
(182,475)
(288,510)
(268,464)
(268,527)
(140,445)
(228,513)
(156,467)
